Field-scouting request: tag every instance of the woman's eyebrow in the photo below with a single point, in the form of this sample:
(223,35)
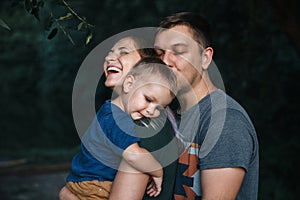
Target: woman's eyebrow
(123,48)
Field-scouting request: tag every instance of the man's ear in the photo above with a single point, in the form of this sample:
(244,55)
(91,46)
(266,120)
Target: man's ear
(207,55)
(128,83)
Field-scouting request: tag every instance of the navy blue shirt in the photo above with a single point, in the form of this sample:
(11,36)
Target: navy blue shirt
(110,133)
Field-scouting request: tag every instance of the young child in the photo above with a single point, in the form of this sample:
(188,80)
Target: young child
(146,90)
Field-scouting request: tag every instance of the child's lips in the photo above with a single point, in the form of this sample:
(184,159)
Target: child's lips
(139,115)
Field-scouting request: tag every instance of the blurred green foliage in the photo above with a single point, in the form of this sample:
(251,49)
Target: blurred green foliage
(258,64)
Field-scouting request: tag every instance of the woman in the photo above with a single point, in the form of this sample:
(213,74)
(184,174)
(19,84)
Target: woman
(118,62)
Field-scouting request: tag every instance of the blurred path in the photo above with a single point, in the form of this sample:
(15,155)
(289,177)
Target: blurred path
(31,185)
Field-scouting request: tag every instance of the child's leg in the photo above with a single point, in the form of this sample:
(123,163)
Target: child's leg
(66,194)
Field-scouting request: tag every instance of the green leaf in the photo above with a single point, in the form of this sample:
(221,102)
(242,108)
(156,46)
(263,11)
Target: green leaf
(52,34)
(80,26)
(4,25)
(67,16)
(88,37)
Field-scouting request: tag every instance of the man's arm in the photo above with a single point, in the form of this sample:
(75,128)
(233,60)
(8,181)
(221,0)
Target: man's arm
(129,184)
(222,183)
(142,160)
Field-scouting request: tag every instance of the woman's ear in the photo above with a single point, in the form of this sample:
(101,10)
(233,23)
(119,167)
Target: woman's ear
(128,83)
(207,55)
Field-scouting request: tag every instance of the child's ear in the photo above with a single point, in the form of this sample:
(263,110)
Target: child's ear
(128,83)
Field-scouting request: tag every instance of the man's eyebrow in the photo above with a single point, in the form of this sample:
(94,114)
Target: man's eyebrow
(173,45)
(179,44)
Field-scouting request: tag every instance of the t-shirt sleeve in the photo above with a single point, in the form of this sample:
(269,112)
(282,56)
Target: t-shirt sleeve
(123,133)
(234,145)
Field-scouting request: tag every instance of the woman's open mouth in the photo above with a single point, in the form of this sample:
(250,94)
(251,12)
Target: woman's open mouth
(113,69)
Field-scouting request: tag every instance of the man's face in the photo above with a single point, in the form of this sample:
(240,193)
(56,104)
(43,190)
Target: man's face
(181,52)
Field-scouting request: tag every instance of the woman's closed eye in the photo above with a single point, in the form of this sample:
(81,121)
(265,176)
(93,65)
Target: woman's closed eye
(122,53)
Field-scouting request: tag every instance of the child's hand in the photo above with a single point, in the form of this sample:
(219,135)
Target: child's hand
(154,186)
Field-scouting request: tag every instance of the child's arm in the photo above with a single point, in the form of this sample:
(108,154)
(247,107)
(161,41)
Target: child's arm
(143,161)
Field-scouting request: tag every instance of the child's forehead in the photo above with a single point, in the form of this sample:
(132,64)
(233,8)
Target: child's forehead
(153,84)
(151,80)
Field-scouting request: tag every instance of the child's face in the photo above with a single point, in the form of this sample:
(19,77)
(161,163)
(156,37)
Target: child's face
(147,100)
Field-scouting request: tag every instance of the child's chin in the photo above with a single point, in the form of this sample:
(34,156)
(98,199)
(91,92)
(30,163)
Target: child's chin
(136,118)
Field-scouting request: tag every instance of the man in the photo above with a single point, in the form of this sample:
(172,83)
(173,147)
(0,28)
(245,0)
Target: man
(220,160)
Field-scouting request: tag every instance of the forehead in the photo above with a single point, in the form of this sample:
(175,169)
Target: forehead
(127,42)
(159,90)
(180,34)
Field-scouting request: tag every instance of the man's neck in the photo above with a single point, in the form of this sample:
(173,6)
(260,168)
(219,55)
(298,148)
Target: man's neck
(191,97)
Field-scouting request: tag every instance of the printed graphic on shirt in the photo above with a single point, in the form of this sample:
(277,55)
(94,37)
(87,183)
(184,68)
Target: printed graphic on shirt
(187,186)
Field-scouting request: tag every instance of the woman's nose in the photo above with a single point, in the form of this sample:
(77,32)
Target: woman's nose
(111,56)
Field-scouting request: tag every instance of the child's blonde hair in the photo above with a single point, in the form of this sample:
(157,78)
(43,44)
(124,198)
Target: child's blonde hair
(151,68)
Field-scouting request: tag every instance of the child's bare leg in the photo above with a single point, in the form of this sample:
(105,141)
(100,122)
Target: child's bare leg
(66,194)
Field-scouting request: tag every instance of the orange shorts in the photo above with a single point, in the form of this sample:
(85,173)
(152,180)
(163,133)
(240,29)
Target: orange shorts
(90,190)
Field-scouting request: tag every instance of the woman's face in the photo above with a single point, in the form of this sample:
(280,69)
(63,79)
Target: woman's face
(119,61)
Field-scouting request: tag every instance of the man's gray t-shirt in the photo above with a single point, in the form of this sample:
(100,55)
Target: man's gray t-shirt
(219,134)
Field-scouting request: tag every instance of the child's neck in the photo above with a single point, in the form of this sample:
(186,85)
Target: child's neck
(118,102)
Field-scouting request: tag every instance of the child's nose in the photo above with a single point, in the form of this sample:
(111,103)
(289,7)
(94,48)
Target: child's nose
(151,110)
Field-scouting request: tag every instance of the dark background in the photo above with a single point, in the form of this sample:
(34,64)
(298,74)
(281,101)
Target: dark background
(257,48)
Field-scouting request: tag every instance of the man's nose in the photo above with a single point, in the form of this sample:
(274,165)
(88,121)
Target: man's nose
(168,58)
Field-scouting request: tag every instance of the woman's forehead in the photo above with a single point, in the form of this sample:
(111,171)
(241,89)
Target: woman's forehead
(127,42)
